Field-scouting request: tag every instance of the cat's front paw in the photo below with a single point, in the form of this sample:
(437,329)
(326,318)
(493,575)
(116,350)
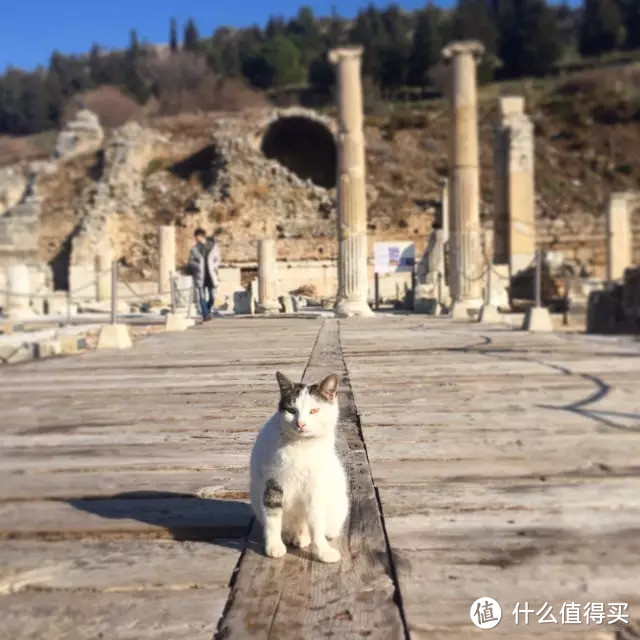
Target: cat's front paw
(327,554)
(275,548)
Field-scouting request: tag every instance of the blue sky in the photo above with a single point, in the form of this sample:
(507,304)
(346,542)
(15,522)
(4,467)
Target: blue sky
(31,29)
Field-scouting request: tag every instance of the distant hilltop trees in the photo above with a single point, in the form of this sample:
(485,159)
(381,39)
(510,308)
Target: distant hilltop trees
(402,49)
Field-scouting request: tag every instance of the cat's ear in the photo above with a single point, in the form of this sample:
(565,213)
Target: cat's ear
(328,387)
(284,383)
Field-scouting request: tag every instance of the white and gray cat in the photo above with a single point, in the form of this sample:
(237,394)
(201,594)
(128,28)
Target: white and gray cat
(298,484)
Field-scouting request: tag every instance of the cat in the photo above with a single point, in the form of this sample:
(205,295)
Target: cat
(298,484)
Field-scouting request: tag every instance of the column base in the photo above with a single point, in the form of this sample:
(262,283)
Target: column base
(464,309)
(114,336)
(537,319)
(268,307)
(353,309)
(489,314)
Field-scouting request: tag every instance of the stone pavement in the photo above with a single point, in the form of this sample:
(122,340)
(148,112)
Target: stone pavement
(483,462)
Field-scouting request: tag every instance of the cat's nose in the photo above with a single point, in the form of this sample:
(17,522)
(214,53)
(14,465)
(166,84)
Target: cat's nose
(301,425)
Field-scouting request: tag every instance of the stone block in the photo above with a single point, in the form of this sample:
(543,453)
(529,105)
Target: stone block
(603,309)
(177,322)
(429,306)
(56,305)
(537,319)
(47,348)
(631,293)
(10,353)
(489,314)
(72,343)
(114,336)
(244,302)
(465,310)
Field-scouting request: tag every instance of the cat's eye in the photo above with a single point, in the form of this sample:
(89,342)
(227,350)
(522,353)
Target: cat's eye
(314,410)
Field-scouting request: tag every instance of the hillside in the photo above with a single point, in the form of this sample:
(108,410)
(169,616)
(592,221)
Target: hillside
(208,169)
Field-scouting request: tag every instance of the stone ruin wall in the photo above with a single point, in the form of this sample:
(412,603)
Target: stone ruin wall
(126,203)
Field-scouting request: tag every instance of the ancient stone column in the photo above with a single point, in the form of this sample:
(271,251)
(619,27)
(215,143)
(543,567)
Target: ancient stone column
(444,204)
(19,290)
(267,277)
(513,163)
(167,257)
(619,238)
(104,258)
(465,241)
(352,203)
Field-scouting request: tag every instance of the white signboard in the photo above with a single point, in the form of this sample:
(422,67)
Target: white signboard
(390,257)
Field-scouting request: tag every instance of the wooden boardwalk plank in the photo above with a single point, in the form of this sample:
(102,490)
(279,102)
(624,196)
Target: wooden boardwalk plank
(116,464)
(507,466)
(146,615)
(298,598)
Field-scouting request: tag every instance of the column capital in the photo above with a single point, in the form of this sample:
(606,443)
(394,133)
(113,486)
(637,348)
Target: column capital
(343,53)
(462,48)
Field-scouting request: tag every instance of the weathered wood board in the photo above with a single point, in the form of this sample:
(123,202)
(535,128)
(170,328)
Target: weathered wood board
(123,479)
(507,464)
(483,462)
(298,598)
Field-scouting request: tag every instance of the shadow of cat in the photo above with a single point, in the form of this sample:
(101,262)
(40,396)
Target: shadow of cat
(185,516)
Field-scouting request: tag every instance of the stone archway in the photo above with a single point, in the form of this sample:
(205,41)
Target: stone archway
(304,143)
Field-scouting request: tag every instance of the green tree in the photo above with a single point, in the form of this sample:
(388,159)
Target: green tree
(303,31)
(276,64)
(133,81)
(529,42)
(248,41)
(223,52)
(335,32)
(191,37)
(475,20)
(321,72)
(134,44)
(173,35)
(630,10)
(600,27)
(369,31)
(394,54)
(426,46)
(73,73)
(276,26)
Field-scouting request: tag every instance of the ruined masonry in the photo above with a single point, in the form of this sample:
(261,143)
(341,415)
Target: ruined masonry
(514,219)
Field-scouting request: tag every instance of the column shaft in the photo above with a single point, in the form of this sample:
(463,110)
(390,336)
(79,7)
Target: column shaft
(353,281)
(103,274)
(19,290)
(619,237)
(467,262)
(167,257)
(514,186)
(267,277)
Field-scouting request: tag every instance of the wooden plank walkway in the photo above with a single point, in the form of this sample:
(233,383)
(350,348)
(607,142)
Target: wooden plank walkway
(123,480)
(508,466)
(483,462)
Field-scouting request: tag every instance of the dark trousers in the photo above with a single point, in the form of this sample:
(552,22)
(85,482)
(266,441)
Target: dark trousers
(206,298)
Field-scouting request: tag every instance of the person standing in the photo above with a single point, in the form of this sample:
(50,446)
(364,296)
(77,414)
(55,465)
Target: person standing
(204,260)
